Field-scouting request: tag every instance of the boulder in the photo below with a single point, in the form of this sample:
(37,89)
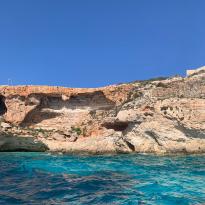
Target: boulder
(5,125)
(73,138)
(59,137)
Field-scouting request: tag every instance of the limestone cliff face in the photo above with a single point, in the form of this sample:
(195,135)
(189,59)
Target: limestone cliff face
(155,116)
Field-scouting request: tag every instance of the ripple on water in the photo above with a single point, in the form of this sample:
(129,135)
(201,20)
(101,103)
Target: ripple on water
(39,178)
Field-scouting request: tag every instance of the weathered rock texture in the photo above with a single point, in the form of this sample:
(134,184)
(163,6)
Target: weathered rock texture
(155,116)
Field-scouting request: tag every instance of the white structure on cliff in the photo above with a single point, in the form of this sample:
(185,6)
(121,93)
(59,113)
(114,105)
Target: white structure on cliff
(190,72)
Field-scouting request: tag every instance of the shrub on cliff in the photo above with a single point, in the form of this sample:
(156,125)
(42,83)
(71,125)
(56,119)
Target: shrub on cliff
(76,130)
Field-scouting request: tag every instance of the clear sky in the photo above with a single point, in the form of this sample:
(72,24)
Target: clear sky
(91,43)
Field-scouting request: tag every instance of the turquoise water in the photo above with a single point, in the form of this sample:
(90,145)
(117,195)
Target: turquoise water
(41,178)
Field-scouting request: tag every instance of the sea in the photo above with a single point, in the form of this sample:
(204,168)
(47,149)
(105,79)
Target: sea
(128,179)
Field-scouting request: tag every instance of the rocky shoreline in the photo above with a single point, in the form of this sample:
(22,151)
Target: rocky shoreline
(160,116)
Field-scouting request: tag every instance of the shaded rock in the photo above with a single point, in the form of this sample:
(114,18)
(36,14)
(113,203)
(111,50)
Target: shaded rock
(21,143)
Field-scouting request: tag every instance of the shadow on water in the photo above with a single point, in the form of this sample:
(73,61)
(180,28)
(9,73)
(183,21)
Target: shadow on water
(46,188)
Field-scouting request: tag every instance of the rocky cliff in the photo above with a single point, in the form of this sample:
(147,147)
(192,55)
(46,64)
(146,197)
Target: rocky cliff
(160,116)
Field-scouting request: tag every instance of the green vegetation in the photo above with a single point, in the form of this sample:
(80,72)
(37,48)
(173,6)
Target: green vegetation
(40,130)
(84,131)
(145,82)
(36,131)
(162,85)
(76,130)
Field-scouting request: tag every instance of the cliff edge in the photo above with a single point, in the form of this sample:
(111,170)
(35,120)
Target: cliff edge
(161,116)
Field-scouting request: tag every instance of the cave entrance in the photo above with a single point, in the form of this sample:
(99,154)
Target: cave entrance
(3,108)
(117,126)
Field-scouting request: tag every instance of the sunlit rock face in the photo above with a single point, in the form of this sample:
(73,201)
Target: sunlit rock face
(161,116)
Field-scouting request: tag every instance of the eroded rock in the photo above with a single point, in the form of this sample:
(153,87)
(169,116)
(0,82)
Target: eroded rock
(5,125)
(158,116)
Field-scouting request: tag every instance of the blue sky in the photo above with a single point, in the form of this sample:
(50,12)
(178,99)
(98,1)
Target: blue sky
(92,43)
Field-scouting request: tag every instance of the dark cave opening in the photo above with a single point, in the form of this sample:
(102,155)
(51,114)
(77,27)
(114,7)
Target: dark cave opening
(117,126)
(3,108)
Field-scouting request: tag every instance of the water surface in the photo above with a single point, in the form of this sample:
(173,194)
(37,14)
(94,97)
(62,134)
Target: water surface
(42,178)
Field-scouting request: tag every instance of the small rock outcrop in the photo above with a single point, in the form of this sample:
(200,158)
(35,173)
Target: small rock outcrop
(162,116)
